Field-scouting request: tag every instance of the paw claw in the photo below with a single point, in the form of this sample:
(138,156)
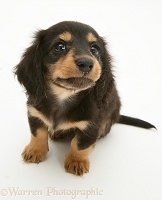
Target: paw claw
(34,154)
(76,166)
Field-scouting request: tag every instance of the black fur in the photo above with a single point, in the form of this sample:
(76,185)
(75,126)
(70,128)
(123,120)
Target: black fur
(135,122)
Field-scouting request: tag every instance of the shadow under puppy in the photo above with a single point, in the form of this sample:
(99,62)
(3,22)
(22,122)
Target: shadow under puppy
(67,75)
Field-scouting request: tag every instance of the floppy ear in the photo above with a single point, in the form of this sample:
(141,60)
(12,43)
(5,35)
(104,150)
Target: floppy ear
(30,69)
(105,87)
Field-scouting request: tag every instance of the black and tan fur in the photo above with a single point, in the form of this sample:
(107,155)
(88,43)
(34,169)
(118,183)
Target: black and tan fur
(71,92)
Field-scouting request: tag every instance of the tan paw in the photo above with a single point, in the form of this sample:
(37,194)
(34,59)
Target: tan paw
(34,154)
(76,166)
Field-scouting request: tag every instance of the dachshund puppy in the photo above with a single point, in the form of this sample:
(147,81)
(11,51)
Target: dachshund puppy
(67,74)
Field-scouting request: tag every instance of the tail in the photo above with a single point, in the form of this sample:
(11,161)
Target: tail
(134,122)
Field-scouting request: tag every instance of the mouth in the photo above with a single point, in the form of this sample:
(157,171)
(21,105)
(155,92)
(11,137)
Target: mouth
(74,83)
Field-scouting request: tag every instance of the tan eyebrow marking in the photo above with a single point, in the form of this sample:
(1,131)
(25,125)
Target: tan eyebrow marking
(91,38)
(66,36)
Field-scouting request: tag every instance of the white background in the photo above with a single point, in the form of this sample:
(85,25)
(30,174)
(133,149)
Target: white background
(127,164)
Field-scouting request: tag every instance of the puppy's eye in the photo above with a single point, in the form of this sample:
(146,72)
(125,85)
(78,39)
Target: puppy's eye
(95,50)
(59,47)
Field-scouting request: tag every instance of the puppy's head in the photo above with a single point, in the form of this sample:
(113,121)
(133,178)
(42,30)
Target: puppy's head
(69,55)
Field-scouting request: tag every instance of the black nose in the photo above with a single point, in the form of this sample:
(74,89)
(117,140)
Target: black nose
(84,64)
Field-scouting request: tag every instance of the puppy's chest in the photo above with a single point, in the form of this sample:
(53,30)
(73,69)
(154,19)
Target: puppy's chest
(64,119)
(61,118)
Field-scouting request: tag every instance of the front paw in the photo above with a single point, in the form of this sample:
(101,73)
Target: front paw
(34,154)
(76,166)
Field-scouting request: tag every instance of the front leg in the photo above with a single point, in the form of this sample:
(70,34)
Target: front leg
(37,149)
(77,160)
